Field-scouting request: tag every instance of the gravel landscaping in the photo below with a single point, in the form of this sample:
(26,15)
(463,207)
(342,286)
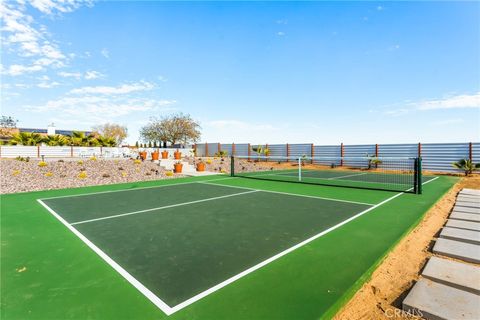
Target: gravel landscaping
(22,176)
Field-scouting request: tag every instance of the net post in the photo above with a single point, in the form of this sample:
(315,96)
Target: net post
(299,169)
(417,188)
(232,166)
(233,149)
(341,154)
(288,151)
(312,151)
(470,151)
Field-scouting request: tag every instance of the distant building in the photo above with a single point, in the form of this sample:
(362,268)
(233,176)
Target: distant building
(50,131)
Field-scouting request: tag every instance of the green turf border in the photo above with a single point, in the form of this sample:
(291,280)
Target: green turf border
(364,278)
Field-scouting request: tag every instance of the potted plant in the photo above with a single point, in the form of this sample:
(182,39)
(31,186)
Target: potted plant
(177,154)
(201,166)
(165,154)
(155,155)
(143,155)
(177,167)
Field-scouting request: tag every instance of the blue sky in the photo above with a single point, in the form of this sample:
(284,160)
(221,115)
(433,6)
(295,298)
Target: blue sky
(259,72)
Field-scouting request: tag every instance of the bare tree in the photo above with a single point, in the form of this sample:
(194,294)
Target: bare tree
(173,128)
(113,131)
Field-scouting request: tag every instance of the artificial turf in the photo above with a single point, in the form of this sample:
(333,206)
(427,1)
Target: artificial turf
(48,273)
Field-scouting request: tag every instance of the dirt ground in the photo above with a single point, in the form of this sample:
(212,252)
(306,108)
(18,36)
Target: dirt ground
(381,296)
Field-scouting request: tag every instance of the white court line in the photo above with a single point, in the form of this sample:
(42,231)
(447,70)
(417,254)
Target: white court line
(132,189)
(161,208)
(140,287)
(287,193)
(170,310)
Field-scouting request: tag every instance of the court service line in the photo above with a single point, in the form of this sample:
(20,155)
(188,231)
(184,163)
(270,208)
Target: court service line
(287,193)
(164,207)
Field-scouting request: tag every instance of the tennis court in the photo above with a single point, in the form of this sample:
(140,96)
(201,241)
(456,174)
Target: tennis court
(179,243)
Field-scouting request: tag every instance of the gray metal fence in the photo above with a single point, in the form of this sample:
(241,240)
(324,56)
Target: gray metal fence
(437,157)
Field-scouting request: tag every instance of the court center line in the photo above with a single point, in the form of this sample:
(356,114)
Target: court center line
(287,193)
(161,208)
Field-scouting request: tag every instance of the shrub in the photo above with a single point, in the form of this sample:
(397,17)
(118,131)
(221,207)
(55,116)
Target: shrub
(169,173)
(120,168)
(48,174)
(124,174)
(19,158)
(148,174)
(223,171)
(105,175)
(42,164)
(209,161)
(82,175)
(80,162)
(93,158)
(137,161)
(15,172)
(61,160)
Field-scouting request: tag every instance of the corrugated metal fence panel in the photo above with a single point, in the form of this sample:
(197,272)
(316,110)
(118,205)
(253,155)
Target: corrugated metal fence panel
(440,156)
(86,151)
(398,150)
(476,152)
(357,151)
(201,150)
(18,151)
(300,150)
(212,149)
(326,152)
(241,149)
(226,147)
(277,150)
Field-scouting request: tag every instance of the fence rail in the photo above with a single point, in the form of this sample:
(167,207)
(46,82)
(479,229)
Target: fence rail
(437,157)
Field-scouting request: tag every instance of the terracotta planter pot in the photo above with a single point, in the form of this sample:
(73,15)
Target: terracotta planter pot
(164,154)
(177,155)
(177,167)
(155,155)
(201,166)
(143,155)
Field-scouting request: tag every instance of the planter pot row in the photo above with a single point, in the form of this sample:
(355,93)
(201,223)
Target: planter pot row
(155,155)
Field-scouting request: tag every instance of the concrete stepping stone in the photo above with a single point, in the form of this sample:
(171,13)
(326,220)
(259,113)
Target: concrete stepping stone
(468,197)
(465,216)
(474,192)
(469,204)
(457,249)
(467,236)
(466,209)
(467,225)
(452,273)
(432,300)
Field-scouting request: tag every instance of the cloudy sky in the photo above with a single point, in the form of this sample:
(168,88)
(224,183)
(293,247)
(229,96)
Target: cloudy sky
(260,72)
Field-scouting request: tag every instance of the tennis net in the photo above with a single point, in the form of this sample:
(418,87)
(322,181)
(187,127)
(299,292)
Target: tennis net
(378,173)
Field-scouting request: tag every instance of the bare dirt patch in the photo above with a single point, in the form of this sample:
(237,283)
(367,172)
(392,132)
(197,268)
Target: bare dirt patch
(381,296)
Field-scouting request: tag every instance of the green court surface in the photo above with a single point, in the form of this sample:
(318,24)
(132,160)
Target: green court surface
(207,248)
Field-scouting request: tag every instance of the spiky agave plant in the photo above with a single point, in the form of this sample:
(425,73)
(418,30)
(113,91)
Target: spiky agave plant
(467,166)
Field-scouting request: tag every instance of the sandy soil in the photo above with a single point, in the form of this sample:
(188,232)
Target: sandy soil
(380,298)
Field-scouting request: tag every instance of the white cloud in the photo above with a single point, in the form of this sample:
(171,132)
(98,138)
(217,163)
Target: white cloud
(280,33)
(76,75)
(105,53)
(397,112)
(123,89)
(452,102)
(100,108)
(17,69)
(23,36)
(89,75)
